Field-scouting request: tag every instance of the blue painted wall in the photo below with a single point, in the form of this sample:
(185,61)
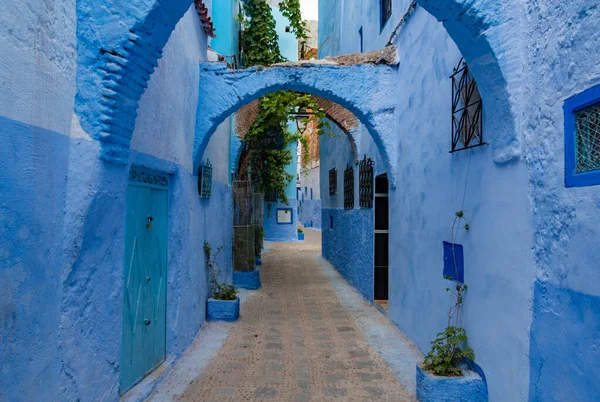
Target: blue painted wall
(431,187)
(352,229)
(63,209)
(224,14)
(349,246)
(564,338)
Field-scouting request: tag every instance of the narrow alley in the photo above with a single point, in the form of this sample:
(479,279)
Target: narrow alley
(296,340)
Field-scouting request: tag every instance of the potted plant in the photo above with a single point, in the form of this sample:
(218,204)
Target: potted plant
(445,374)
(300,234)
(224,305)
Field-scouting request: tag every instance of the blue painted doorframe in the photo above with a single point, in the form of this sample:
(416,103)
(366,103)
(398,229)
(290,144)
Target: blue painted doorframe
(144,276)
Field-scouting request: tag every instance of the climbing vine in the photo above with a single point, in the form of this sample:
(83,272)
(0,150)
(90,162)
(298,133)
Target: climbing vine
(268,140)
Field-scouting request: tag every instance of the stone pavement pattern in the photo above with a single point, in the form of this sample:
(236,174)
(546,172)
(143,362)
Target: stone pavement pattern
(295,342)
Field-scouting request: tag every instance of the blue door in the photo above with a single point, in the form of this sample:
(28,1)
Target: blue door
(144,275)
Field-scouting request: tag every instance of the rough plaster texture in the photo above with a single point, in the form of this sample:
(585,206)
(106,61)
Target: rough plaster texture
(349,246)
(470,387)
(222,310)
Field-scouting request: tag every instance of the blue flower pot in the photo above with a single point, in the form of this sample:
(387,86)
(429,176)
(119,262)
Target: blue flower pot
(300,236)
(222,310)
(249,280)
(470,387)
(258,260)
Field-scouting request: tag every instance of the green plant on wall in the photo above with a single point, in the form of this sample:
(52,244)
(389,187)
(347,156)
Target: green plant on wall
(268,140)
(449,351)
(220,291)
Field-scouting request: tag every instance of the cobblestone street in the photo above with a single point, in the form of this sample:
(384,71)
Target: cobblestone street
(295,341)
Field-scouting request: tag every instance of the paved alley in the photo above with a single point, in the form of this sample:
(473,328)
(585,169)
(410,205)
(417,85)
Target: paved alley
(295,341)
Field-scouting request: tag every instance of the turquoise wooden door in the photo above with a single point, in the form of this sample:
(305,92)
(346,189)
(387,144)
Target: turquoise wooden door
(144,274)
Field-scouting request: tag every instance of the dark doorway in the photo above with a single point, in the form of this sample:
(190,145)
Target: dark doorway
(381,240)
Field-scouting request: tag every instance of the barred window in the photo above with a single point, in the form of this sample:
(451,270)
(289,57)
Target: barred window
(467,110)
(333,181)
(205,179)
(365,174)
(582,138)
(587,139)
(349,187)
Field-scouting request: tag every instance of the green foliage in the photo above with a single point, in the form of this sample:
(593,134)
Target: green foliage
(300,230)
(291,10)
(259,41)
(268,138)
(447,353)
(219,290)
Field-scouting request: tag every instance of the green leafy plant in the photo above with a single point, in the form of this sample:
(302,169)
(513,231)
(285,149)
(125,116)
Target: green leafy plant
(220,291)
(300,230)
(449,350)
(267,144)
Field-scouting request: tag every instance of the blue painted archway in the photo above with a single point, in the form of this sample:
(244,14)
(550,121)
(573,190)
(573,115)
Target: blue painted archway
(367,90)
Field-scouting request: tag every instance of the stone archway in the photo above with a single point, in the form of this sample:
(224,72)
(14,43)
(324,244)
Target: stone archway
(364,84)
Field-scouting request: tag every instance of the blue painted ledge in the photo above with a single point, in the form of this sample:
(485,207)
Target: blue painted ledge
(300,236)
(247,279)
(222,310)
(468,388)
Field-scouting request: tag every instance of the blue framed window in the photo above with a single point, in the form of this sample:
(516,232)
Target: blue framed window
(284,216)
(582,139)
(386,12)
(454,262)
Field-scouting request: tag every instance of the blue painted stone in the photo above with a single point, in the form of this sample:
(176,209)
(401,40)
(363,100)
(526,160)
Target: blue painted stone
(468,388)
(300,236)
(249,280)
(222,310)
(258,260)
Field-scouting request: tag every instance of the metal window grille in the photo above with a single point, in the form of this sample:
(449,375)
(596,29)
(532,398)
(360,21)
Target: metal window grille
(386,11)
(349,187)
(333,181)
(467,110)
(365,176)
(205,179)
(587,139)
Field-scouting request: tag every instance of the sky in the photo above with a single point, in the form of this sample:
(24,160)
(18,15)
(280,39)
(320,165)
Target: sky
(310,9)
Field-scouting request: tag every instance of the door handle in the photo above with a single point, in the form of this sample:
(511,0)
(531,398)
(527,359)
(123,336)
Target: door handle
(149,225)
(146,322)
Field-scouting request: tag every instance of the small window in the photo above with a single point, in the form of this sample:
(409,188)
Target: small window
(205,179)
(386,12)
(365,179)
(454,262)
(467,110)
(582,139)
(285,216)
(333,181)
(311,193)
(349,187)
(330,222)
